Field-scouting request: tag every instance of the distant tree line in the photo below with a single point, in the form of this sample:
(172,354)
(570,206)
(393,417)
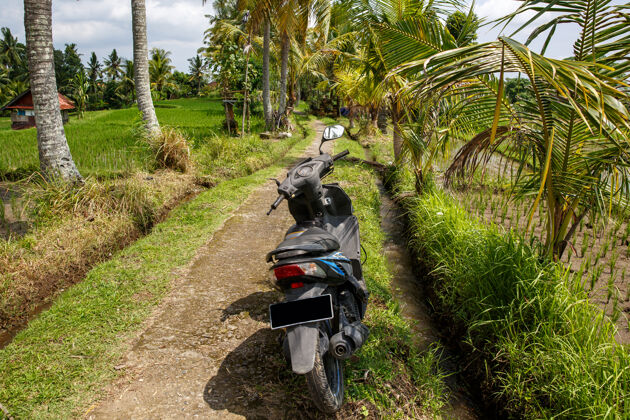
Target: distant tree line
(95,84)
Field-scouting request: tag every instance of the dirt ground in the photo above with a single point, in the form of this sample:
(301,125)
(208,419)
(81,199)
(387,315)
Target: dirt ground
(207,351)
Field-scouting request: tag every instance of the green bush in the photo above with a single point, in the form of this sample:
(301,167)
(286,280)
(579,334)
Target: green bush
(541,347)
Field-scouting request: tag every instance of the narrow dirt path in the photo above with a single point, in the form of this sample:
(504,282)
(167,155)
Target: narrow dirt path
(207,350)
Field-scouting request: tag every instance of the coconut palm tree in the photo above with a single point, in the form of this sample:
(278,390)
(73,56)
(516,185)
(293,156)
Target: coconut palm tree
(10,49)
(291,17)
(266,93)
(573,127)
(127,82)
(80,87)
(4,86)
(142,79)
(93,72)
(113,65)
(197,69)
(160,71)
(54,154)
(378,18)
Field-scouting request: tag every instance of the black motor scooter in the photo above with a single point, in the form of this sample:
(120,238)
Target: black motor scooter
(318,267)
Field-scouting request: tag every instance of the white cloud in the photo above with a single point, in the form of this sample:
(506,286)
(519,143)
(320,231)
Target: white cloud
(102,25)
(494,9)
(561,45)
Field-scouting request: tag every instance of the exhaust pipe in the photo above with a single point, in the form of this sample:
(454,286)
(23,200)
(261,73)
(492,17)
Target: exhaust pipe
(347,341)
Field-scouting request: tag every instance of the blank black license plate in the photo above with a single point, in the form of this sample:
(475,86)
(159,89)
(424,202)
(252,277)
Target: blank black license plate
(287,314)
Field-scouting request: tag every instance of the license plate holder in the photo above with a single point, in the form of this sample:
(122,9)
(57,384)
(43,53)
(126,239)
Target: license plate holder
(298,312)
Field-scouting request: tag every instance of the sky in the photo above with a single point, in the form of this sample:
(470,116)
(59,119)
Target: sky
(178,26)
(101,25)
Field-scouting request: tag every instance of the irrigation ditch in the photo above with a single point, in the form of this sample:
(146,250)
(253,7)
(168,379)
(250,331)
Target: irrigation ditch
(412,297)
(62,277)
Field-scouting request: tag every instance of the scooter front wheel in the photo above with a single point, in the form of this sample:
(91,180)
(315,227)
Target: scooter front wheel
(325,381)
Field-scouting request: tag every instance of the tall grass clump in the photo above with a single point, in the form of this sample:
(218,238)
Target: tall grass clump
(171,149)
(537,343)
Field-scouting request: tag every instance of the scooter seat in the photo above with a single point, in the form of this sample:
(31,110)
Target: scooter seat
(313,240)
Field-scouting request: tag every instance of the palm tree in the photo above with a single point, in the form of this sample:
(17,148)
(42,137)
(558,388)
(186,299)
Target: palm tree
(266,94)
(113,65)
(397,15)
(80,88)
(142,79)
(127,82)
(93,72)
(160,71)
(259,16)
(10,49)
(291,18)
(4,86)
(574,125)
(197,69)
(54,154)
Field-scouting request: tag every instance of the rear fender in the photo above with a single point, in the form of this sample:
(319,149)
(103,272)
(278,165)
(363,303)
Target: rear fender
(302,339)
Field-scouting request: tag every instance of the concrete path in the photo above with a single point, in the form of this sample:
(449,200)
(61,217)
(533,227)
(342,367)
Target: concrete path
(207,351)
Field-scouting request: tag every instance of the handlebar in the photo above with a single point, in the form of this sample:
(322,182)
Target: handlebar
(323,167)
(341,155)
(275,204)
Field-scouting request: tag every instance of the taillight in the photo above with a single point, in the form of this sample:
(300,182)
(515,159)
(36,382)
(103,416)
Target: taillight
(287,271)
(297,285)
(296,270)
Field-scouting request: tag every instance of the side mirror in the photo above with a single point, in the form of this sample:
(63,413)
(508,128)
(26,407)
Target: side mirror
(332,132)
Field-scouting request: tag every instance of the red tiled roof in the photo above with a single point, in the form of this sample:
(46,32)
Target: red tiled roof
(25,101)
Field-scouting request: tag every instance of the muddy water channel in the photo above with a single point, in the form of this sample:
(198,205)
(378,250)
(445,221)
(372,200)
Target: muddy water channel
(411,298)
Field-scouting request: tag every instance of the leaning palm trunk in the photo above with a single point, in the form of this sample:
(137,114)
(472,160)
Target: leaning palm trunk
(141,67)
(246,90)
(397,120)
(284,72)
(54,154)
(266,91)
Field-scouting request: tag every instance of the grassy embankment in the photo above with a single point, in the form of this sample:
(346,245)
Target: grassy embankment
(56,366)
(534,339)
(72,229)
(391,374)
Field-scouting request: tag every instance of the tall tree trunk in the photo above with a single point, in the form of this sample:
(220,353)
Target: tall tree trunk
(266,91)
(284,72)
(141,67)
(246,93)
(54,154)
(397,118)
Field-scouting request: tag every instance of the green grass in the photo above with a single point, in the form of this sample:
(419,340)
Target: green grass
(404,382)
(62,360)
(537,343)
(103,143)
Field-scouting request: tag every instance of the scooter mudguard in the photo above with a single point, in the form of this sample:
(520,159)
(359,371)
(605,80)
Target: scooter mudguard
(303,338)
(302,344)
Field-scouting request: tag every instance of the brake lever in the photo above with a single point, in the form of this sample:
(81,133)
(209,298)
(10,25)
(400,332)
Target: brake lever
(274,180)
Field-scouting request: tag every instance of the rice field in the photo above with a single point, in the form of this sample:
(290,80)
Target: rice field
(104,143)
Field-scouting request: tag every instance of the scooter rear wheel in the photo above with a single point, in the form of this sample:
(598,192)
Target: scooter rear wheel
(325,381)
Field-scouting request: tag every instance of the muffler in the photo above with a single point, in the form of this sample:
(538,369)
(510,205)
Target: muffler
(347,341)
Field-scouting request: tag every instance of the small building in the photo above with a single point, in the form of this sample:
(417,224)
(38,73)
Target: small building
(23,111)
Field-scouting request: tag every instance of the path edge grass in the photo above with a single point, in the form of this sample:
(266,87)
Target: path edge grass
(56,367)
(391,377)
(535,344)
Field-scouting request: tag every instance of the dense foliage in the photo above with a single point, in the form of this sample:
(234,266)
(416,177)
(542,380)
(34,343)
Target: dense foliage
(98,85)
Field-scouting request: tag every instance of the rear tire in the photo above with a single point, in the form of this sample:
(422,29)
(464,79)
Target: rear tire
(325,381)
